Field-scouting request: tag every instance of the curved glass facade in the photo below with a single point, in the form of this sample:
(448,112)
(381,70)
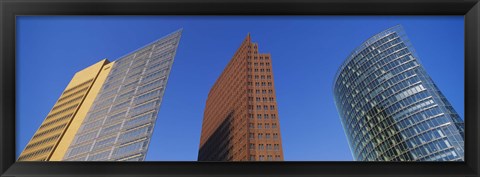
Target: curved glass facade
(390,108)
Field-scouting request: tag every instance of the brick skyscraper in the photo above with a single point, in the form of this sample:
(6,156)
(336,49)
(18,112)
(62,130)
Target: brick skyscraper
(240,121)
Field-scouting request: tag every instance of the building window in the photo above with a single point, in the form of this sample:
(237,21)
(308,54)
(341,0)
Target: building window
(260,136)
(269,147)
(274,116)
(259,126)
(276,147)
(264,84)
(257,91)
(270,91)
(272,107)
(259,116)
(252,146)
(277,157)
(251,135)
(256,76)
(267,126)
(268,70)
(261,147)
(257,84)
(265,107)
(275,136)
(261,157)
(251,125)
(267,136)
(269,84)
(264,91)
(257,98)
(265,116)
(252,157)
(274,125)
(259,107)
(269,158)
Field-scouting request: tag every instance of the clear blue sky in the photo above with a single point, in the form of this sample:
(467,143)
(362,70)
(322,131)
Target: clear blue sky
(306,52)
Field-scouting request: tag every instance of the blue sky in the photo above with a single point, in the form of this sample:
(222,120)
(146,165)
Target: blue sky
(306,52)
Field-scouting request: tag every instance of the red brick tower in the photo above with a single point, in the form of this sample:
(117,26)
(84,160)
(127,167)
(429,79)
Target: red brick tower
(240,121)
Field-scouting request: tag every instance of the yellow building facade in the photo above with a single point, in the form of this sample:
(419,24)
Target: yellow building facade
(51,141)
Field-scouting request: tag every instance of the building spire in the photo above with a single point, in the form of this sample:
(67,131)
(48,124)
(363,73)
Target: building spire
(247,39)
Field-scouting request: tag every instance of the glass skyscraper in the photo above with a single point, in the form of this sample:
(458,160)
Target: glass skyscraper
(390,108)
(119,125)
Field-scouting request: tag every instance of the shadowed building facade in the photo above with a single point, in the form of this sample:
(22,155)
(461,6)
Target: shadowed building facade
(390,108)
(240,120)
(108,111)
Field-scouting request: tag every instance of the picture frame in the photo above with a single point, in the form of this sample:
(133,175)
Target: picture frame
(10,9)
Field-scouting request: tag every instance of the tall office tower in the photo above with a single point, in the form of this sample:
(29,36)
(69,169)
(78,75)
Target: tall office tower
(390,108)
(108,111)
(240,121)
(64,119)
(120,124)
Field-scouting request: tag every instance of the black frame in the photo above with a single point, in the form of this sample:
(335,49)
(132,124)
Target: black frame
(11,8)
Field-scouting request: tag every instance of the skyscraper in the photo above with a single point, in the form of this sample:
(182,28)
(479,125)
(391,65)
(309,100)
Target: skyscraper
(240,121)
(390,108)
(66,116)
(116,122)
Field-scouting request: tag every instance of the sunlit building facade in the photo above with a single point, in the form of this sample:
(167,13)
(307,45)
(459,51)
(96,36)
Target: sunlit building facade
(120,124)
(56,132)
(390,108)
(240,121)
(116,119)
